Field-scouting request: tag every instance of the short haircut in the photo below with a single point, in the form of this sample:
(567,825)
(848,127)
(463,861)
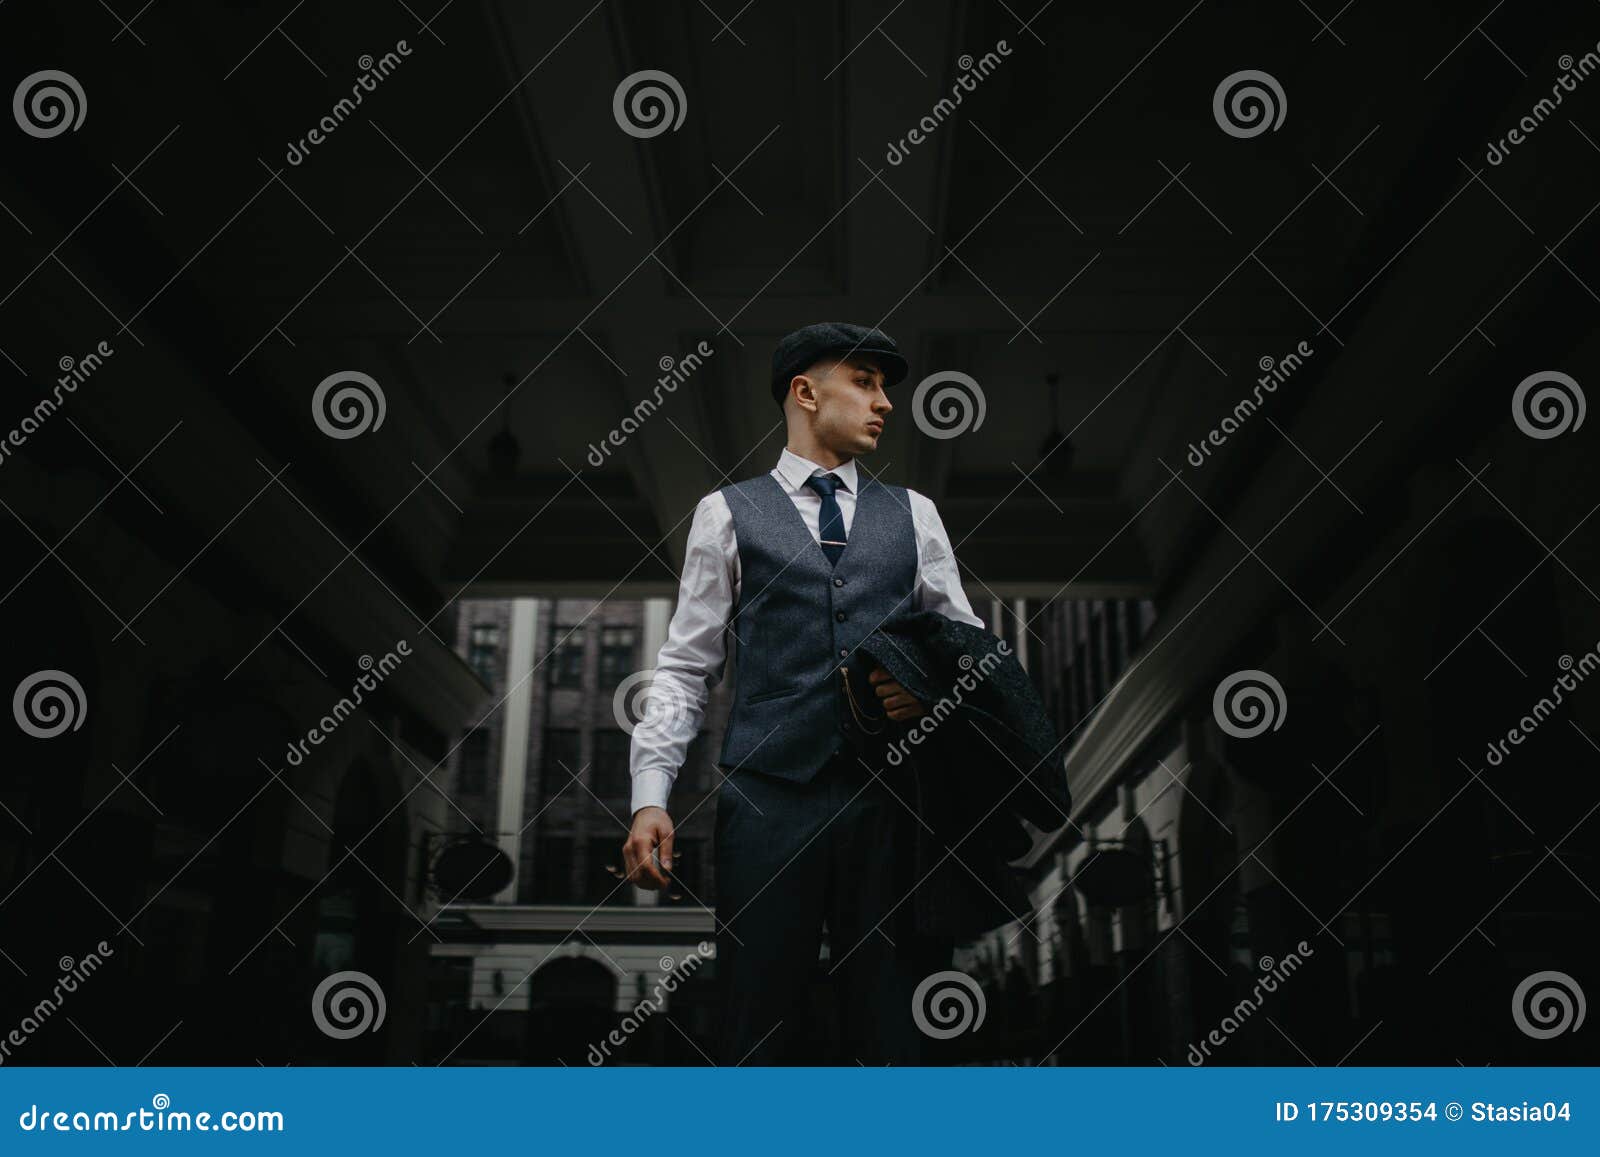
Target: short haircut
(833,357)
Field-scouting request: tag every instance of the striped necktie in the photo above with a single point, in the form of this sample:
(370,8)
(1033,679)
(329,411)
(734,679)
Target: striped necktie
(831,524)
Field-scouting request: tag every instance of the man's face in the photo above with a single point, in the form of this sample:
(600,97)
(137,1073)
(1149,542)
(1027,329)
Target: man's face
(851,403)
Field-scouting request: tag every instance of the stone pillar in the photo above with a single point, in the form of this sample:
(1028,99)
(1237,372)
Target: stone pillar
(514,738)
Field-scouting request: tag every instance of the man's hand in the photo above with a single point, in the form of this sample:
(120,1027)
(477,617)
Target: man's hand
(898,703)
(652,829)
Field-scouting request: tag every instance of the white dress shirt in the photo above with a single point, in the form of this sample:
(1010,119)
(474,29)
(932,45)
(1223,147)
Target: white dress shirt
(691,660)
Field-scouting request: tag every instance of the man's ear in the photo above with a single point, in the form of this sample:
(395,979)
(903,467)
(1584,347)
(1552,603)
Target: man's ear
(806,395)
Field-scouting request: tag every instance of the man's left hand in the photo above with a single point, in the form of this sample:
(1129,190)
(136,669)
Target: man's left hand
(898,703)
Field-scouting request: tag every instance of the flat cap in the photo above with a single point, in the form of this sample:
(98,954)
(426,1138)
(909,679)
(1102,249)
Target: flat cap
(807,344)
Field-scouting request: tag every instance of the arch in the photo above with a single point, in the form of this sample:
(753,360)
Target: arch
(368,798)
(359,920)
(572,1004)
(363,890)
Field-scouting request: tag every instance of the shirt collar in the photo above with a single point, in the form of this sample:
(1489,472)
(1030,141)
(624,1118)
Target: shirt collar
(795,470)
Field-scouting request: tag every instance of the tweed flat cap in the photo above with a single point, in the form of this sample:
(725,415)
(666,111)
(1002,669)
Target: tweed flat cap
(805,345)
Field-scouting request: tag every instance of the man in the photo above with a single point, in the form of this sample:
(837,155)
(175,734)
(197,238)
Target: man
(799,565)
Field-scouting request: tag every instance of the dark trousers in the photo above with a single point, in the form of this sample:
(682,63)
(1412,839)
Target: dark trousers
(792,858)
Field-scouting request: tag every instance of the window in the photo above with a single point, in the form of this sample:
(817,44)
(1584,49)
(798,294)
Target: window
(483,650)
(472,775)
(566,655)
(611,779)
(552,869)
(617,662)
(561,760)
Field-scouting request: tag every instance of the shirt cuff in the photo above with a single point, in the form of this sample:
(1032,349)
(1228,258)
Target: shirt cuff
(650,789)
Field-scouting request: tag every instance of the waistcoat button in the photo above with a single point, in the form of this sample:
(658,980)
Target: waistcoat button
(838,582)
(839,615)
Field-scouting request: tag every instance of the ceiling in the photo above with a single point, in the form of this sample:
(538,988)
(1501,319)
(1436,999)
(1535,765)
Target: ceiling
(481,236)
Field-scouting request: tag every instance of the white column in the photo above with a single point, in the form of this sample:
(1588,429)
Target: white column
(657,616)
(514,747)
